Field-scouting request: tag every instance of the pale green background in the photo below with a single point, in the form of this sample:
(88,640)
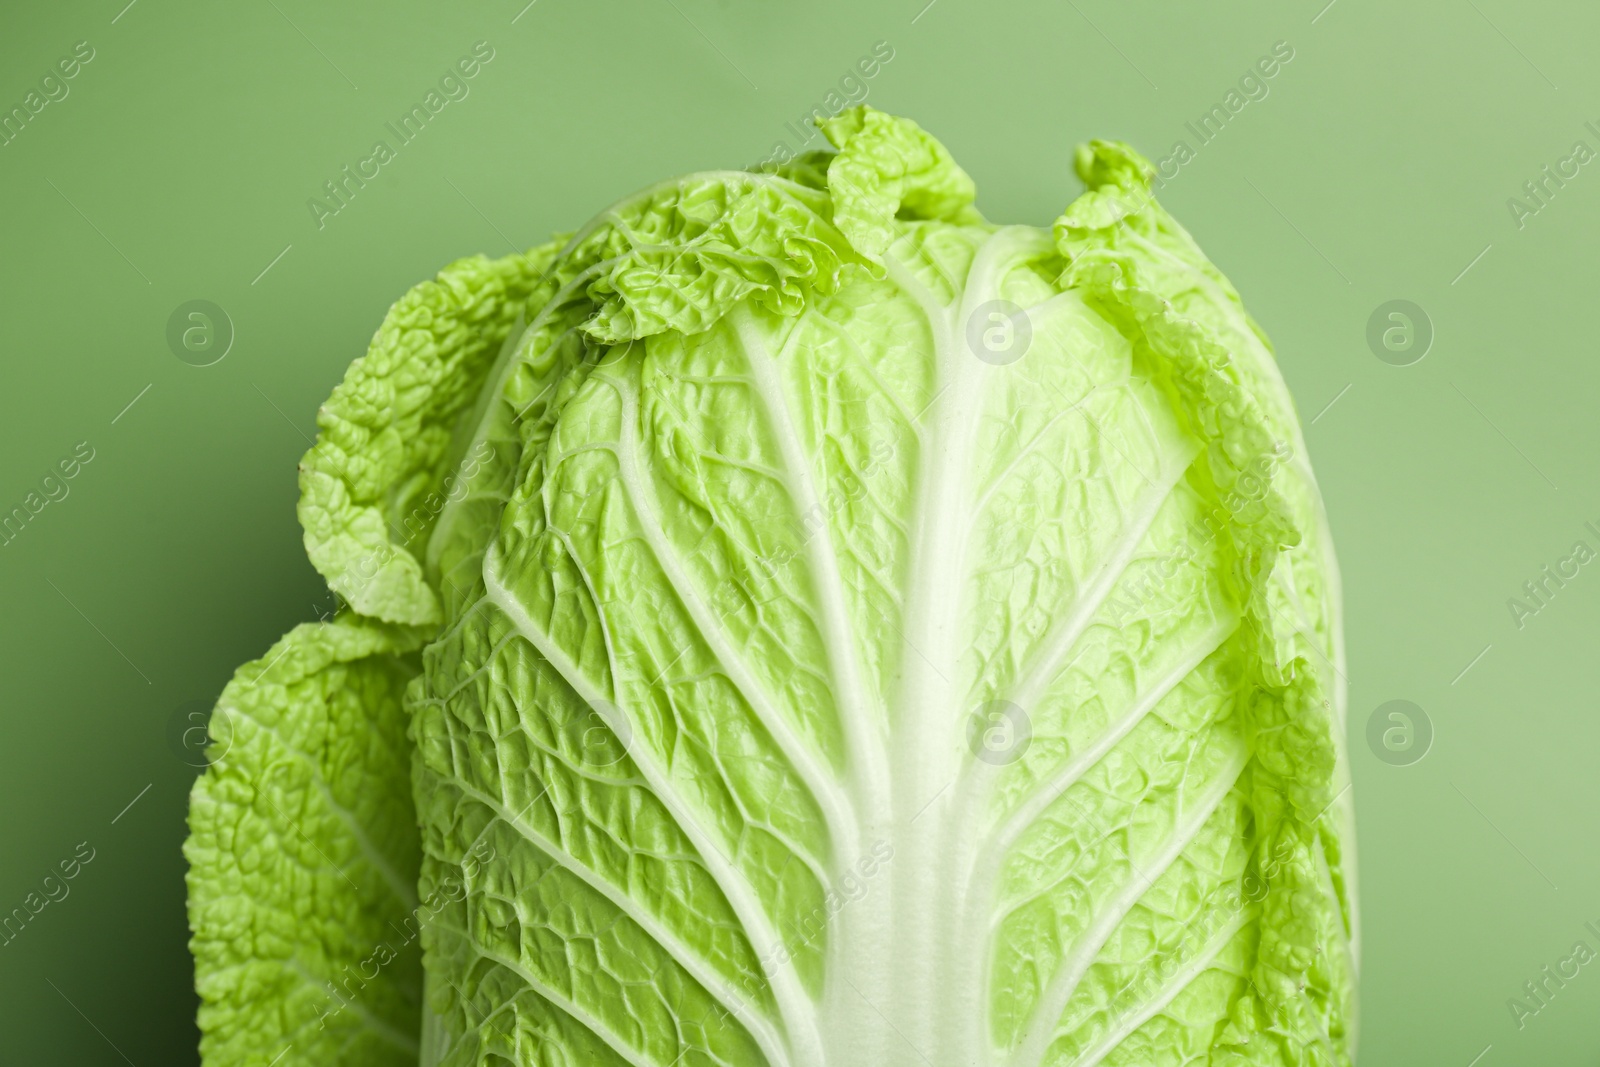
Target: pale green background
(1378,167)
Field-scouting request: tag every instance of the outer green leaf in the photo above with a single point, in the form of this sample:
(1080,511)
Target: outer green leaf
(1144,271)
(389,443)
(888,167)
(680,255)
(303,857)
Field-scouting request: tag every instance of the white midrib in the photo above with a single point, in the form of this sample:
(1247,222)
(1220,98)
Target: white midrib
(720,988)
(924,692)
(1064,982)
(795,1007)
(925,717)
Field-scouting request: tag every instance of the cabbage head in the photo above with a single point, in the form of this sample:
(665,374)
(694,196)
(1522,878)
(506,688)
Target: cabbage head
(795,621)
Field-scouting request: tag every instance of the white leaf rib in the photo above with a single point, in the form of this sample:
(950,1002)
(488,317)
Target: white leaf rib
(1032,448)
(796,1008)
(1030,1051)
(871,946)
(482,418)
(926,299)
(980,864)
(700,968)
(926,708)
(561,1003)
(1180,980)
(800,753)
(1068,774)
(977,936)
(924,712)
(866,753)
(1037,675)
